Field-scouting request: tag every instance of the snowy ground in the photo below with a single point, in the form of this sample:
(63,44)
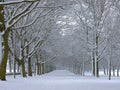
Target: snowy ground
(60,80)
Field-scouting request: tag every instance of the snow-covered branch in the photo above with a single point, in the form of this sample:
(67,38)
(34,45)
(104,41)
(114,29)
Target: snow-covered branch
(17,17)
(35,48)
(50,60)
(17,1)
(33,21)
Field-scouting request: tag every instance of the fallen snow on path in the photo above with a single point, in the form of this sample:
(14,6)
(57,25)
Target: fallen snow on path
(60,80)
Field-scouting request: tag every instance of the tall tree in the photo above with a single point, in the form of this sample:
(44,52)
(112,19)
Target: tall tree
(5,28)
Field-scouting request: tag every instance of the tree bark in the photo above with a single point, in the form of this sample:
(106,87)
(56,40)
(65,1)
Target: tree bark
(93,63)
(110,69)
(5,56)
(118,71)
(113,71)
(23,68)
(29,67)
(29,62)
(96,57)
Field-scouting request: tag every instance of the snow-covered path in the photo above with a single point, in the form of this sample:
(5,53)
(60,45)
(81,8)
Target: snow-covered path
(60,80)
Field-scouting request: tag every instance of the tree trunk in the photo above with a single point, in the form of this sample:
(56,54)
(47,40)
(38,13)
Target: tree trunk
(10,64)
(118,71)
(29,67)
(35,66)
(23,68)
(110,69)
(29,62)
(38,69)
(113,71)
(18,68)
(93,64)
(23,64)
(97,69)
(83,68)
(5,56)
(96,58)
(104,69)
(14,53)
(14,67)
(2,28)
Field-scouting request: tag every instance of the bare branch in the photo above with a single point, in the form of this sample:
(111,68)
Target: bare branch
(16,2)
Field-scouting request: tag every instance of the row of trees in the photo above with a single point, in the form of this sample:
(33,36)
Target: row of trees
(99,25)
(82,34)
(23,30)
(89,36)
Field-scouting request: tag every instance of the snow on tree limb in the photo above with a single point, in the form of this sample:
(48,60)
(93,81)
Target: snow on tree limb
(39,43)
(33,21)
(16,2)
(35,48)
(24,12)
(50,60)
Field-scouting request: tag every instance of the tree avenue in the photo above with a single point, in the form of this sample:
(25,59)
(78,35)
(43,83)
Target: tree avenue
(38,36)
